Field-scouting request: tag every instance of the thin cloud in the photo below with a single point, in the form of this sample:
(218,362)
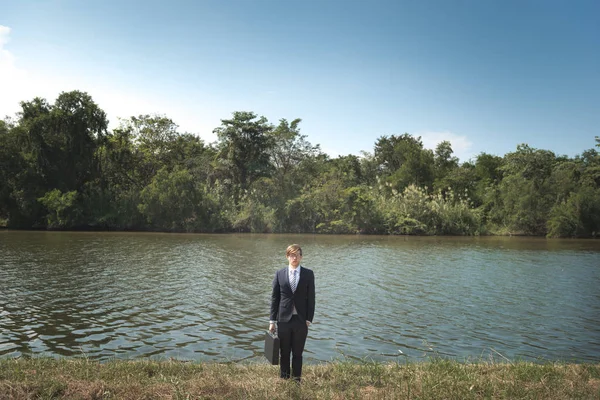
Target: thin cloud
(4,33)
(19,84)
(461,145)
(13,80)
(330,152)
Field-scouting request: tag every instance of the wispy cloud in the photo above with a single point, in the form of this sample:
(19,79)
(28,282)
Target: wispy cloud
(4,32)
(19,84)
(461,145)
(329,151)
(13,80)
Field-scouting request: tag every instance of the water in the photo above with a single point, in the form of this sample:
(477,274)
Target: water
(206,297)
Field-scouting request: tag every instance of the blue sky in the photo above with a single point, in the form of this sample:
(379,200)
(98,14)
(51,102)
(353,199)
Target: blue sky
(486,75)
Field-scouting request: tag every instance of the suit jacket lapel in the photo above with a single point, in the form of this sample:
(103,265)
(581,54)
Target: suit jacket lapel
(299,278)
(287,278)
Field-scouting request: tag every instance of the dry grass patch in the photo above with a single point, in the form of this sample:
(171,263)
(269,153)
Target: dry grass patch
(436,379)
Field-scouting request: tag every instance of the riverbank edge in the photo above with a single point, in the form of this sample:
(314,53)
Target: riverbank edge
(497,233)
(26,378)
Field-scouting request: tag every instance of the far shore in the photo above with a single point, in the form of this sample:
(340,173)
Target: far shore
(97,229)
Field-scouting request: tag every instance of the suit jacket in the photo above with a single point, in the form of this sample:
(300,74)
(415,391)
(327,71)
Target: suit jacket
(283,299)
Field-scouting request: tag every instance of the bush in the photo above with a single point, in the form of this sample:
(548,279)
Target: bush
(62,210)
(577,216)
(254,217)
(415,212)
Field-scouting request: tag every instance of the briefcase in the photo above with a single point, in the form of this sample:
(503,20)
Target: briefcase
(272,347)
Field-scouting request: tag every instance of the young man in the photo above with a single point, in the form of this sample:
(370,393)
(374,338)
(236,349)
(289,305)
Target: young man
(292,309)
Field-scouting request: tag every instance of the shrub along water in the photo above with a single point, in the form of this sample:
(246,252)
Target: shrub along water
(414,211)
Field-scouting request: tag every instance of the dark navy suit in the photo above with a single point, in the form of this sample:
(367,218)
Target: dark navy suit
(292,329)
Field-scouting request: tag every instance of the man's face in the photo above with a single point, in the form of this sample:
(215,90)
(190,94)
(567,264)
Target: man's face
(294,259)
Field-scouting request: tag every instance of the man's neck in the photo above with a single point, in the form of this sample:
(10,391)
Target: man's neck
(292,267)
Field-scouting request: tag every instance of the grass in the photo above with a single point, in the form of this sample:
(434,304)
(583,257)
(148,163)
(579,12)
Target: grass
(48,378)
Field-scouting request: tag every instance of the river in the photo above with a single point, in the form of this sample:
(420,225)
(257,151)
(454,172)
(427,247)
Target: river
(206,297)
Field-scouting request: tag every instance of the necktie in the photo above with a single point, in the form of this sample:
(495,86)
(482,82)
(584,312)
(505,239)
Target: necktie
(294,282)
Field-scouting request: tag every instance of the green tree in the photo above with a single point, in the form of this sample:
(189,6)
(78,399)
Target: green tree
(175,201)
(462,181)
(244,148)
(486,192)
(576,212)
(12,168)
(62,208)
(289,153)
(327,198)
(151,137)
(404,161)
(350,169)
(255,214)
(111,201)
(63,137)
(369,168)
(131,157)
(576,216)
(527,194)
(57,145)
(289,148)
(590,174)
(488,168)
(444,164)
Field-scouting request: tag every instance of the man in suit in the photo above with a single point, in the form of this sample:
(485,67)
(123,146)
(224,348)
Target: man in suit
(292,309)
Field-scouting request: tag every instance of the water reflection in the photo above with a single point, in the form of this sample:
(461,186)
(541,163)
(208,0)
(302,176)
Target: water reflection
(206,297)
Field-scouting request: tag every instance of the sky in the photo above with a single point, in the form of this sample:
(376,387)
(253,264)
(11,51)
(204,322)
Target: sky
(485,75)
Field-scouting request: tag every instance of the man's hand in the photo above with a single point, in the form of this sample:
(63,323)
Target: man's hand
(307,324)
(271,328)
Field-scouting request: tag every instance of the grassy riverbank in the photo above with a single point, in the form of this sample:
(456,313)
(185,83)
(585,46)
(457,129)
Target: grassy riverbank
(437,379)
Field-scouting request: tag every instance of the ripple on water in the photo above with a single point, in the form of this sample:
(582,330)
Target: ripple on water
(207,296)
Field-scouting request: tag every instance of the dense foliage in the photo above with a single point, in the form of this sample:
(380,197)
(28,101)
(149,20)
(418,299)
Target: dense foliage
(61,168)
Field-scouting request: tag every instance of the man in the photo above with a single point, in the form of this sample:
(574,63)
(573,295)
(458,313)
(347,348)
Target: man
(292,309)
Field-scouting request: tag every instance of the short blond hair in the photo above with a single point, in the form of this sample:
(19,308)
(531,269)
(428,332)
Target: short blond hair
(293,249)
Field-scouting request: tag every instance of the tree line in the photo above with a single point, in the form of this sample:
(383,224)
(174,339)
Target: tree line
(62,168)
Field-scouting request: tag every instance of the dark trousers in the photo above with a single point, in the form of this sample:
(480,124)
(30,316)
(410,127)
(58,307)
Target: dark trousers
(292,336)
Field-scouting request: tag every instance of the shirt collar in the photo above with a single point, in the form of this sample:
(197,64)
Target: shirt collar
(291,271)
